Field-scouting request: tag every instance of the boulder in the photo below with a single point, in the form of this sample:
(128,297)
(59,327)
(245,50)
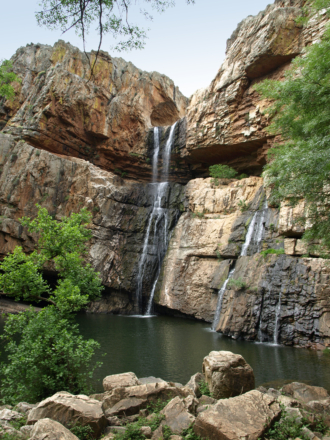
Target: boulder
(130,400)
(8,415)
(151,379)
(24,407)
(247,416)
(47,429)
(176,416)
(194,383)
(68,409)
(305,393)
(227,374)
(120,381)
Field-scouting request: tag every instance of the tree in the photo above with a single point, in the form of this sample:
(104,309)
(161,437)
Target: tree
(7,77)
(299,166)
(109,16)
(49,354)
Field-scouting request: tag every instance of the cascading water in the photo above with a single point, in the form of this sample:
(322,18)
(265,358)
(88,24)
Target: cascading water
(158,218)
(277,318)
(253,236)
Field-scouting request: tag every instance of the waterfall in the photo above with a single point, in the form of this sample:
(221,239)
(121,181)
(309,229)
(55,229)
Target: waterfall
(254,235)
(277,318)
(159,217)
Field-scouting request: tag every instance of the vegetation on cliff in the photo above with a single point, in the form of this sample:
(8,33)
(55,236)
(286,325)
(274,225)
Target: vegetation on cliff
(300,166)
(7,77)
(45,351)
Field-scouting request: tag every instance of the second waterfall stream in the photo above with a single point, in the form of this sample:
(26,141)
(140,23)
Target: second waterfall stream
(254,236)
(158,220)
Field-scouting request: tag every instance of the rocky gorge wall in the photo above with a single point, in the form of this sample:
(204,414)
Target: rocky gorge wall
(70,141)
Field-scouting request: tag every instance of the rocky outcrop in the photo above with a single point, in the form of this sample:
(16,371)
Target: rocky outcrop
(227,374)
(225,121)
(68,410)
(104,119)
(247,416)
(120,209)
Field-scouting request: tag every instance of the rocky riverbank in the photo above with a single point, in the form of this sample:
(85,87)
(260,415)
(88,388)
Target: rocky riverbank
(219,403)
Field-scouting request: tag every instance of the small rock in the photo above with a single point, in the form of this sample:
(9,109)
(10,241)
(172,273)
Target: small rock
(116,429)
(24,407)
(146,430)
(320,406)
(176,416)
(191,404)
(305,393)
(120,381)
(26,429)
(9,415)
(47,429)
(176,437)
(295,414)
(227,374)
(309,434)
(151,379)
(5,407)
(206,400)
(288,402)
(202,408)
(113,421)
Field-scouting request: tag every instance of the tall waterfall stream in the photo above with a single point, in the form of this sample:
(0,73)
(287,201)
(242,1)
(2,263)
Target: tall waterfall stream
(159,217)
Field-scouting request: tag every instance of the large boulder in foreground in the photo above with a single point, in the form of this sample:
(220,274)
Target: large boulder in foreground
(120,380)
(305,393)
(129,400)
(47,429)
(227,374)
(68,409)
(243,417)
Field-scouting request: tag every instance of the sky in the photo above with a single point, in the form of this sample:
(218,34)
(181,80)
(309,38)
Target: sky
(186,43)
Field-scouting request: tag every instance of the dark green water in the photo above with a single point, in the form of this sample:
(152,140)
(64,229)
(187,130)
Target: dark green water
(173,349)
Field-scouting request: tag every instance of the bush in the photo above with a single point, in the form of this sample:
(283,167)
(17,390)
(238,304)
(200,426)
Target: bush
(82,432)
(204,388)
(238,284)
(272,251)
(221,172)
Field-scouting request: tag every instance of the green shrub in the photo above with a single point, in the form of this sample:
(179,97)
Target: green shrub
(204,388)
(237,284)
(243,206)
(82,432)
(167,432)
(198,214)
(272,251)
(222,172)
(188,434)
(243,176)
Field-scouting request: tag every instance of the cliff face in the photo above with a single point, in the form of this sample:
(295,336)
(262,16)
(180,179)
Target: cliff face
(70,141)
(120,208)
(225,121)
(104,119)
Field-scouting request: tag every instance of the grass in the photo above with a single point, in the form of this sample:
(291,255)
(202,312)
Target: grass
(243,206)
(198,215)
(272,251)
(237,284)
(204,389)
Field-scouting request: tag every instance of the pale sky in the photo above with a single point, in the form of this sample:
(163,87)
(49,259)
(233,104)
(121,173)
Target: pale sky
(186,43)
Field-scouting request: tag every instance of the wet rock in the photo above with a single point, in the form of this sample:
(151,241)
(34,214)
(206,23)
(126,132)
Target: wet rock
(48,429)
(227,374)
(246,416)
(119,381)
(68,409)
(305,393)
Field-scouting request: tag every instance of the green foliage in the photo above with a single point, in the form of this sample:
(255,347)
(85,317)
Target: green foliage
(82,432)
(189,434)
(7,77)
(45,351)
(243,176)
(272,251)
(300,166)
(48,356)
(198,214)
(204,388)
(326,351)
(243,206)
(167,432)
(18,423)
(237,284)
(221,172)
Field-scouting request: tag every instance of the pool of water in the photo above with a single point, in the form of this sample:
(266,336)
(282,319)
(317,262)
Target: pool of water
(173,349)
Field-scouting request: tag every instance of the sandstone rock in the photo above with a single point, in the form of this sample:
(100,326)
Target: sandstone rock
(227,374)
(176,416)
(68,409)
(6,428)
(24,407)
(288,402)
(320,406)
(247,416)
(113,421)
(309,434)
(151,379)
(120,380)
(48,429)
(130,400)
(206,400)
(116,429)
(26,430)
(305,393)
(146,430)
(194,382)
(9,415)
(191,404)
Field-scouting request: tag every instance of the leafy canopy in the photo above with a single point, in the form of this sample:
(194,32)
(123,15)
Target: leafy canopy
(7,77)
(300,166)
(46,354)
